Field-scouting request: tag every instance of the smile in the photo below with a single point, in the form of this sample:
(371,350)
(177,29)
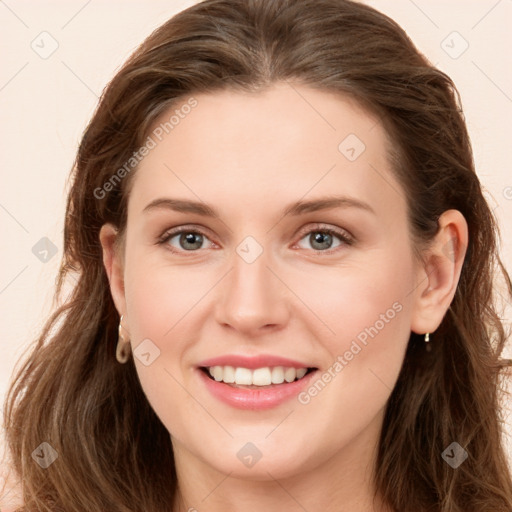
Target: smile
(255,389)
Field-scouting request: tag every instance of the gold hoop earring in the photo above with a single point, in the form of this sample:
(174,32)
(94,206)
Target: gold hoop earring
(123,348)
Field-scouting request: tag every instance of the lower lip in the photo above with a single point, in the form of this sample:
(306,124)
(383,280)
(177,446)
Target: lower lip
(255,399)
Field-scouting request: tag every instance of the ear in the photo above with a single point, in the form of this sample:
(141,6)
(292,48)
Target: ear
(438,275)
(113,262)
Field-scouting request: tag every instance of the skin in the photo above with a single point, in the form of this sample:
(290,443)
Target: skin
(248,156)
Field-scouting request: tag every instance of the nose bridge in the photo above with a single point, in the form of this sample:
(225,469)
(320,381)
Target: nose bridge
(252,297)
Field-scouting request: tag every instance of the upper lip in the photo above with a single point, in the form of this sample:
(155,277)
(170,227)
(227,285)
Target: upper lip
(259,361)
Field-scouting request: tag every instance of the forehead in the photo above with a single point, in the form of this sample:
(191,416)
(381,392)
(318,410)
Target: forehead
(284,142)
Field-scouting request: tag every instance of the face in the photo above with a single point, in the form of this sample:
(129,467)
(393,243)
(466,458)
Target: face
(297,246)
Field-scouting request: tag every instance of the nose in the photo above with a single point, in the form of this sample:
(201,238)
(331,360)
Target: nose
(253,300)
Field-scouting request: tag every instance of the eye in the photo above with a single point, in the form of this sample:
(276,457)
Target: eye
(184,239)
(321,239)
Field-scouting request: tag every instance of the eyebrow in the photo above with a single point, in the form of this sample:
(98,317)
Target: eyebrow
(294,209)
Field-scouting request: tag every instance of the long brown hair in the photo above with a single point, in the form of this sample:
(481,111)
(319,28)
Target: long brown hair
(113,452)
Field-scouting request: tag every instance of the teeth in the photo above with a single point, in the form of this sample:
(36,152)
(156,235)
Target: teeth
(242,376)
(277,375)
(301,372)
(217,372)
(290,374)
(258,377)
(228,374)
(261,377)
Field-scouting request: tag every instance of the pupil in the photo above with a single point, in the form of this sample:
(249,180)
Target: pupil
(189,238)
(322,238)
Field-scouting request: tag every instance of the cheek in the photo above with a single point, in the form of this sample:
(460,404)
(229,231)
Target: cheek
(359,301)
(369,310)
(159,296)
(366,310)
(161,302)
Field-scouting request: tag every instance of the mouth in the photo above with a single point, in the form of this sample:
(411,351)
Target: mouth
(257,378)
(255,382)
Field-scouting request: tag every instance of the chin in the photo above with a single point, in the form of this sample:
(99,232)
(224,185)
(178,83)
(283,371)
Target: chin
(259,460)
(268,470)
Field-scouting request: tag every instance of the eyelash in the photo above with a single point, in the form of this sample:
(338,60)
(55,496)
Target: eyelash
(319,228)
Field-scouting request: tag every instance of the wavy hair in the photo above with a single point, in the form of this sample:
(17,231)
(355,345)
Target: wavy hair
(113,452)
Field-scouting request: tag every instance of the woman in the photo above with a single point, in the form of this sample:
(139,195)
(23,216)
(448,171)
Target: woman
(284,291)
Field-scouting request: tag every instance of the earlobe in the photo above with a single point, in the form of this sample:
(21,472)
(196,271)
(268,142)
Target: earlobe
(113,263)
(438,276)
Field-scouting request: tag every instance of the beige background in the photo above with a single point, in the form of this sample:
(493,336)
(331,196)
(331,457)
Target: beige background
(46,101)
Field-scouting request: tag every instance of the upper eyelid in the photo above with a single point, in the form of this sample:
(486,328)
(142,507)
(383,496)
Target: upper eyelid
(326,227)
(183,228)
